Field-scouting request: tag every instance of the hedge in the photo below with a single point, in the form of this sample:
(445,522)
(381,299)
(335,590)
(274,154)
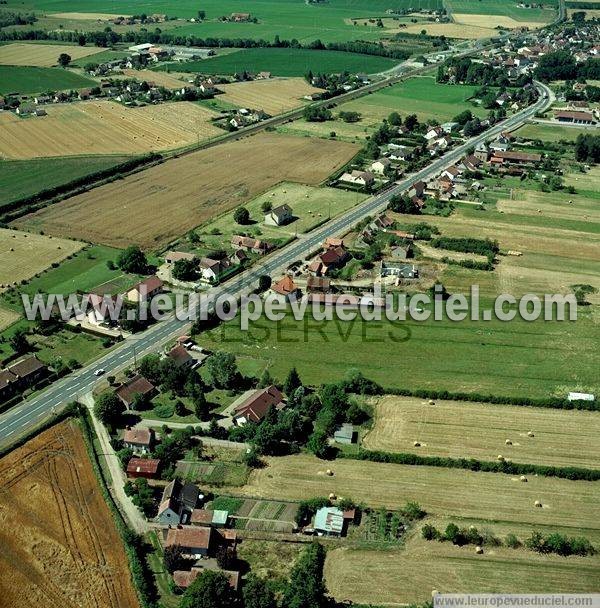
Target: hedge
(472,464)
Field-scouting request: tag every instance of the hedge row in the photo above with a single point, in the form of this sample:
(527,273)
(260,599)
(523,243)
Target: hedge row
(548,402)
(472,464)
(49,193)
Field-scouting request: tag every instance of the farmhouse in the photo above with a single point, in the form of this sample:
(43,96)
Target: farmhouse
(515,158)
(143,467)
(211,269)
(279,216)
(255,407)
(194,540)
(247,243)
(286,287)
(132,389)
(175,256)
(146,289)
(331,259)
(358,178)
(177,503)
(140,441)
(28,371)
(580,118)
(180,356)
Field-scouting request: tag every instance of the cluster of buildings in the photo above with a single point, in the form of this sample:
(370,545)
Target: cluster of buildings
(20,376)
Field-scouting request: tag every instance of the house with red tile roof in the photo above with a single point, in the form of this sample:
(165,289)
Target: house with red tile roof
(255,407)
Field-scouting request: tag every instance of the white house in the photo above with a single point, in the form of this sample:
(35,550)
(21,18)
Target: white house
(381,166)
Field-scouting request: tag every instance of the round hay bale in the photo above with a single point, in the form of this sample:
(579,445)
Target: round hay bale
(417,444)
(431,402)
(478,550)
(329,472)
(500,458)
(530,434)
(332,496)
(434,592)
(523,478)
(537,503)
(508,442)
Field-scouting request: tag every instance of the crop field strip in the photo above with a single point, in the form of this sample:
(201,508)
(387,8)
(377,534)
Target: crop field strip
(43,55)
(104,127)
(473,430)
(63,548)
(229,176)
(30,79)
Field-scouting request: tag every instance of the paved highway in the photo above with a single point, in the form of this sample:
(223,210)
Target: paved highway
(32,412)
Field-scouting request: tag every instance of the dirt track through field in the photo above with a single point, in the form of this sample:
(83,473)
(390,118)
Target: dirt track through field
(59,544)
(152,207)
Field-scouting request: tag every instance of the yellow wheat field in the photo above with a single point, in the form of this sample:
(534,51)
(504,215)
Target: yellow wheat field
(104,127)
(491,21)
(274,96)
(161,79)
(42,55)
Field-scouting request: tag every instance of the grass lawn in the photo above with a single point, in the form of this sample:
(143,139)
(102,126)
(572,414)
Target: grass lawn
(552,133)
(161,575)
(19,79)
(311,206)
(269,559)
(21,178)
(420,95)
(286,62)
(102,57)
(67,345)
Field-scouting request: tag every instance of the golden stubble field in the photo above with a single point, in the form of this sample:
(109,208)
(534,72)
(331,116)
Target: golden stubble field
(273,95)
(474,430)
(23,255)
(152,207)
(43,55)
(59,544)
(104,127)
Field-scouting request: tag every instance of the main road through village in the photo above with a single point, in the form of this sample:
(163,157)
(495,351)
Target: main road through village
(32,412)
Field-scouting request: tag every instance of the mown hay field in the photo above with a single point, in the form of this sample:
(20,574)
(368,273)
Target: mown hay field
(23,255)
(59,543)
(492,9)
(274,96)
(7,317)
(42,55)
(161,79)
(409,575)
(152,207)
(104,127)
(492,21)
(474,430)
(452,493)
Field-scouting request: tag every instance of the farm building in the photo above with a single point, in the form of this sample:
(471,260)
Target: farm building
(175,256)
(581,397)
(331,521)
(345,434)
(402,271)
(255,407)
(247,243)
(194,540)
(318,284)
(28,371)
(143,467)
(515,158)
(331,259)
(138,385)
(177,503)
(208,517)
(358,178)
(279,216)
(577,117)
(140,441)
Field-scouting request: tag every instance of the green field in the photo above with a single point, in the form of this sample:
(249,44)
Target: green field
(503,7)
(19,179)
(286,62)
(19,79)
(421,96)
(286,18)
(552,133)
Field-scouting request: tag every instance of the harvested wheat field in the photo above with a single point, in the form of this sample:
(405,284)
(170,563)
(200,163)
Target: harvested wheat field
(152,207)
(450,30)
(409,575)
(42,55)
(491,21)
(274,96)
(161,79)
(60,548)
(104,127)
(7,317)
(23,255)
(440,491)
(475,430)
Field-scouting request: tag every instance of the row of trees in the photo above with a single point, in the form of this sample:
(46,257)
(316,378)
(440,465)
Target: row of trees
(587,148)
(561,65)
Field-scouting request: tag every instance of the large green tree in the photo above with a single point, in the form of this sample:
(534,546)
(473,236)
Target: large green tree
(210,590)
(257,593)
(108,409)
(222,369)
(132,260)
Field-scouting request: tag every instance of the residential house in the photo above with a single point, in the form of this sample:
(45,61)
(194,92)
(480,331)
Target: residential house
(499,146)
(279,216)
(175,256)
(100,308)
(143,467)
(286,287)
(141,441)
(331,259)
(448,127)
(28,371)
(8,385)
(256,406)
(180,356)
(481,152)
(146,289)
(470,163)
(178,501)
(208,517)
(194,541)
(417,189)
(136,386)
(345,434)
(332,242)
(211,270)
(239,256)
(247,243)
(434,132)
(381,166)
(451,173)
(358,178)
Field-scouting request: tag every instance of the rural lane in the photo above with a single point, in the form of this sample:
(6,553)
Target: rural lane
(32,412)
